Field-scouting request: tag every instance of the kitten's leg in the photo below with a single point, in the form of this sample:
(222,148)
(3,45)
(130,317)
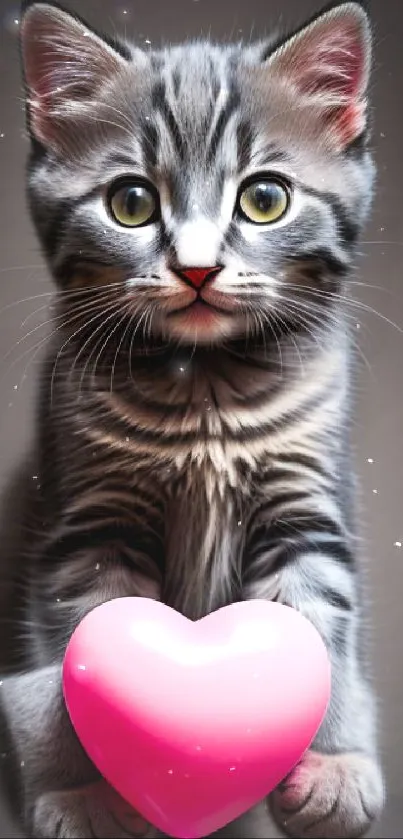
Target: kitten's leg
(61,791)
(337,789)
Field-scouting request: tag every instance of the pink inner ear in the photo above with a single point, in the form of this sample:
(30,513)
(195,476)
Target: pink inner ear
(335,68)
(349,122)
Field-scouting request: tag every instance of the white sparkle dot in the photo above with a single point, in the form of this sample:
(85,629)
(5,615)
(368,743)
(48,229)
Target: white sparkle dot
(22,763)
(182,369)
(34,477)
(2,135)
(383,134)
(98,565)
(82,667)
(148,119)
(1,683)
(50,682)
(127,439)
(398,544)
(16,21)
(57,599)
(370,459)
(239,523)
(232,768)
(358,325)
(125,11)
(147,41)
(15,387)
(170,771)
(375,491)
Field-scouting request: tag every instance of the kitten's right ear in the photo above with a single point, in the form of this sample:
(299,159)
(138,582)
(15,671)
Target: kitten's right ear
(65,66)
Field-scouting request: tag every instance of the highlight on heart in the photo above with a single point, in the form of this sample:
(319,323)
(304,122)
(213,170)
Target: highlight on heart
(193,723)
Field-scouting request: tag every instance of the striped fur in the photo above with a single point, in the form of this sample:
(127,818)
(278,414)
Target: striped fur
(199,460)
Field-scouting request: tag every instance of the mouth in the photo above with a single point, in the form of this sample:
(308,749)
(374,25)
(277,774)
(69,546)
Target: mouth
(199,307)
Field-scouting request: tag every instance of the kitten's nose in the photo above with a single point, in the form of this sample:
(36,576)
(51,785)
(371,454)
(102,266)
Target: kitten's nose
(198,276)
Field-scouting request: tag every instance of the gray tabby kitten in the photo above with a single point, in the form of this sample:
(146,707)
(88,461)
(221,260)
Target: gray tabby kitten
(199,209)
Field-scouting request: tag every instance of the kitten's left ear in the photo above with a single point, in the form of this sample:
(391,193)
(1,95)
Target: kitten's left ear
(328,64)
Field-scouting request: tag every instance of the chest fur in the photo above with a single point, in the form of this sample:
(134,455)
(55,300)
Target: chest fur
(204,541)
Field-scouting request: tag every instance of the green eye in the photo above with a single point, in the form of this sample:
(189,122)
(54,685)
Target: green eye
(264,201)
(133,204)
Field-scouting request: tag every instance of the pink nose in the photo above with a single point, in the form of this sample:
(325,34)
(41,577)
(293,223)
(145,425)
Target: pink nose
(198,276)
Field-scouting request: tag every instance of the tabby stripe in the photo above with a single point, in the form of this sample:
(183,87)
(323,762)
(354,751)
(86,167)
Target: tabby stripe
(176,80)
(72,264)
(303,460)
(348,228)
(302,532)
(244,139)
(166,438)
(331,596)
(93,518)
(252,363)
(121,160)
(160,103)
(111,493)
(257,400)
(268,509)
(64,545)
(227,111)
(150,143)
(271,154)
(59,219)
(325,256)
(339,634)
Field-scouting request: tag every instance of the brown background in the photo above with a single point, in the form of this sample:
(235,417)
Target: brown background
(379,418)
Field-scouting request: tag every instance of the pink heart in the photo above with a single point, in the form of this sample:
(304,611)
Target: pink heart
(194,723)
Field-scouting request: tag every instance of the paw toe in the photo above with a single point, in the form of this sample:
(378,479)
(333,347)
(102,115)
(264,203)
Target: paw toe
(331,796)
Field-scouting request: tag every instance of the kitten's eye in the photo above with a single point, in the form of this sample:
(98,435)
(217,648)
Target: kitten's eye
(264,201)
(133,203)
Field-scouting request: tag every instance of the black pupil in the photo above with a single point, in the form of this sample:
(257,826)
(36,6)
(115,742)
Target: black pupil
(266,196)
(135,197)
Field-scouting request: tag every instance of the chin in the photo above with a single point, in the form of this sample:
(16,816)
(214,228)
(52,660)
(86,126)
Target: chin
(200,324)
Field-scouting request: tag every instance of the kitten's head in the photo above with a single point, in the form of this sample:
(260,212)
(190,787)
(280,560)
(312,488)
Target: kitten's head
(211,191)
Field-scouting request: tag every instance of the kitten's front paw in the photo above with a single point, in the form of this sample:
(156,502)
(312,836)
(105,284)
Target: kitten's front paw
(91,812)
(329,796)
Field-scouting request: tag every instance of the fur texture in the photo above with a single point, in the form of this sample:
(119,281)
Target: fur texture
(193,440)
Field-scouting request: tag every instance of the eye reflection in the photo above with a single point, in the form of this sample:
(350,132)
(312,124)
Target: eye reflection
(264,201)
(133,203)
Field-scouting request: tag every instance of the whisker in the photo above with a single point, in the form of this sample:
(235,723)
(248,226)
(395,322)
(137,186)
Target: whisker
(118,348)
(61,349)
(106,342)
(113,308)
